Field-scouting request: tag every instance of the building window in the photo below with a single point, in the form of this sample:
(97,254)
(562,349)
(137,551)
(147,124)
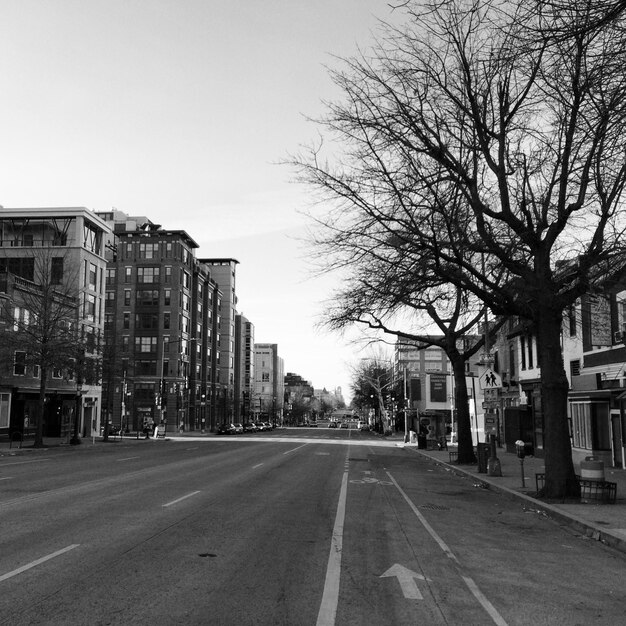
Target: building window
(523,351)
(125,343)
(574,367)
(166,320)
(56,270)
(167,297)
(128,274)
(93,277)
(146,344)
(110,276)
(147,297)
(530,352)
(126,321)
(148,274)
(90,307)
(168,274)
(148,250)
(19,363)
(127,293)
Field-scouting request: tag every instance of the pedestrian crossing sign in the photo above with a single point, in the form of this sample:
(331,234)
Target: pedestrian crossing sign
(490,380)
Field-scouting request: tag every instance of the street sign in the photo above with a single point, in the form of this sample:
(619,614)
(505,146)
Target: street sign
(490,380)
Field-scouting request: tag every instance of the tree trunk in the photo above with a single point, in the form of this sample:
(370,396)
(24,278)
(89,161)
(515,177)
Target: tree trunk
(560,479)
(461,402)
(42,406)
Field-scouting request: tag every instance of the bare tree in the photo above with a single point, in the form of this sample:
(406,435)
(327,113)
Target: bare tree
(488,137)
(40,323)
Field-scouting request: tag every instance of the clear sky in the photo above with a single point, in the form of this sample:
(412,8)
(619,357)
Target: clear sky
(180,110)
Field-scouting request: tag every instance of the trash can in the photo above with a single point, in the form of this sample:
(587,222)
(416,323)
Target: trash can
(592,469)
(482,452)
(413,438)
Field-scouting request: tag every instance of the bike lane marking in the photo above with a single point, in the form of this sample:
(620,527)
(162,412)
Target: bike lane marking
(193,493)
(330,598)
(471,585)
(32,564)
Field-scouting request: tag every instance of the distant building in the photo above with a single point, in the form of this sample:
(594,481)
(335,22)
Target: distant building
(299,399)
(267,399)
(244,368)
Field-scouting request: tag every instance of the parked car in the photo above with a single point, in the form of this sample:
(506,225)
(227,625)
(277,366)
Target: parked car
(225,429)
(260,426)
(363,425)
(249,427)
(268,426)
(238,428)
(345,425)
(332,424)
(312,424)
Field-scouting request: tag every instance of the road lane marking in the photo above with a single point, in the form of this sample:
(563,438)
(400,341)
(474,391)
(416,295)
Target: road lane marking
(257,465)
(425,524)
(25,462)
(330,598)
(43,559)
(128,458)
(294,449)
(192,448)
(6,478)
(471,585)
(193,493)
(406,578)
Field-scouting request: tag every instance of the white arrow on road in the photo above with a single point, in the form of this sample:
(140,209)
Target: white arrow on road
(406,578)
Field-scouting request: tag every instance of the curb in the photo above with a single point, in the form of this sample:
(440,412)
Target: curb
(586,528)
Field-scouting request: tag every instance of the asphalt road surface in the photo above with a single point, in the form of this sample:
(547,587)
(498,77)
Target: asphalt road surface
(298,526)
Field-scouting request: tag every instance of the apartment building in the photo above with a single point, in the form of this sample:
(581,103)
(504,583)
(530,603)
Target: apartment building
(244,369)
(224,272)
(53,254)
(162,328)
(268,396)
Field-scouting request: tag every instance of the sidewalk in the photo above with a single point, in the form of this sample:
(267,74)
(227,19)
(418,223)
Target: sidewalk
(603,522)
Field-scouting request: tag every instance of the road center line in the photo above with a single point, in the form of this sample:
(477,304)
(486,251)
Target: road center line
(43,559)
(257,465)
(193,493)
(29,461)
(471,585)
(6,478)
(330,598)
(128,458)
(294,449)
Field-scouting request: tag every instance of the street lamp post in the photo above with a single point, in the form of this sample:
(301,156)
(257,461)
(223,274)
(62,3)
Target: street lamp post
(162,382)
(75,440)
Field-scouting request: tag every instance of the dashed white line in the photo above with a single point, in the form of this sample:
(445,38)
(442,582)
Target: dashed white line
(471,585)
(32,564)
(193,493)
(128,458)
(294,449)
(257,465)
